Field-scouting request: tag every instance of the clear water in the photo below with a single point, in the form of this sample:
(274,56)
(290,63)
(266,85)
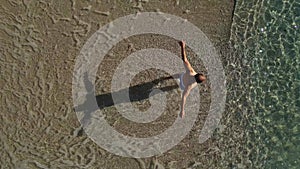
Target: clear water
(266,38)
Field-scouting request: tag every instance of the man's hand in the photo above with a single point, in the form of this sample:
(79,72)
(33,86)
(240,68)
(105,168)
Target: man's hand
(183,44)
(182,113)
(183,53)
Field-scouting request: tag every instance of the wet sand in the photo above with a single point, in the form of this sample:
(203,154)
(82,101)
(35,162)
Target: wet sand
(39,42)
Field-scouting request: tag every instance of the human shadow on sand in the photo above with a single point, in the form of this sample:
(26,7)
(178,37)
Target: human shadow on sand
(136,93)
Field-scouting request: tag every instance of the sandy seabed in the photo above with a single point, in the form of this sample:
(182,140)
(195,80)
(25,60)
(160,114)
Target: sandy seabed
(39,42)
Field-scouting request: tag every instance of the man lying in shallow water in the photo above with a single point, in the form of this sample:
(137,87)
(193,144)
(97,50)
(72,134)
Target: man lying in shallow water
(188,79)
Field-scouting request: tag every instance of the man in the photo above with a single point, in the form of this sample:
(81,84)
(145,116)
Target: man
(188,79)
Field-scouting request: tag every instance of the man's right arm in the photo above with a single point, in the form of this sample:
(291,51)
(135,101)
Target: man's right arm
(187,64)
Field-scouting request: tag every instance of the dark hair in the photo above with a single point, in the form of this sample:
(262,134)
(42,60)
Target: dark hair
(197,77)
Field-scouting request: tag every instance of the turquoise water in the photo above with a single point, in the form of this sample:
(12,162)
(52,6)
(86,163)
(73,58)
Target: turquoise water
(266,36)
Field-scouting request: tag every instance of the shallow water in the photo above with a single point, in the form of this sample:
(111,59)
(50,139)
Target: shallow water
(266,36)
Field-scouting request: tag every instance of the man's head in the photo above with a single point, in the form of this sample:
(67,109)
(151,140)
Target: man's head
(199,77)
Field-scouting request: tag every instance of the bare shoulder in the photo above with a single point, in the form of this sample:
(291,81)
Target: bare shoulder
(192,72)
(194,85)
(191,86)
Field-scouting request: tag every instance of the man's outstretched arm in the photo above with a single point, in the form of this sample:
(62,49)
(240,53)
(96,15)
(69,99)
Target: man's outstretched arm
(187,64)
(185,94)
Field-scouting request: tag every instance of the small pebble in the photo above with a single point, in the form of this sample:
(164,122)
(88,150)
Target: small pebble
(87,8)
(187,11)
(102,13)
